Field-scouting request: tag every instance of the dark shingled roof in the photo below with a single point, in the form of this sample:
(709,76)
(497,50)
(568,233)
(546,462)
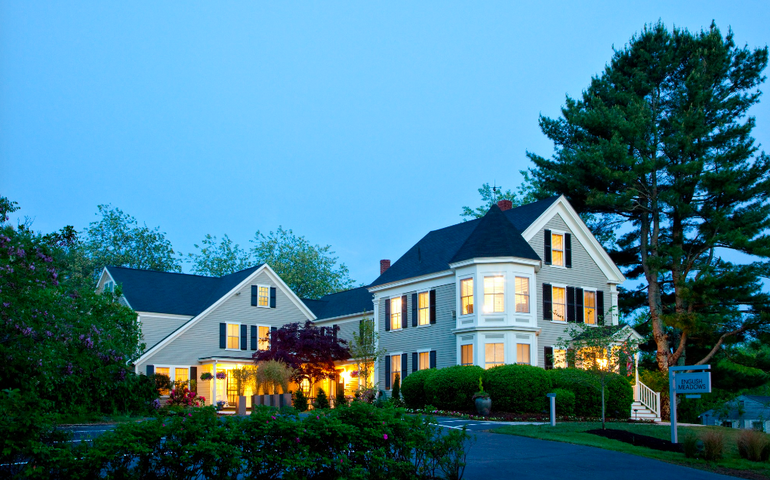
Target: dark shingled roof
(349,302)
(436,250)
(174,293)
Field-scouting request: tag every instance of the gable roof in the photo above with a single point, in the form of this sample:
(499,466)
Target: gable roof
(340,304)
(436,250)
(173,293)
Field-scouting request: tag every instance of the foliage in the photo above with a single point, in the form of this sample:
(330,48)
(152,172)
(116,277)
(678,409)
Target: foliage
(339,398)
(713,445)
(185,397)
(311,271)
(518,388)
(586,386)
(218,260)
(754,445)
(308,350)
(413,388)
(162,382)
(565,401)
(481,393)
(300,401)
(395,393)
(244,376)
(452,388)
(491,195)
(366,352)
(690,445)
(321,400)
(660,145)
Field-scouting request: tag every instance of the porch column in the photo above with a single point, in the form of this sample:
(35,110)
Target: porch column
(214,385)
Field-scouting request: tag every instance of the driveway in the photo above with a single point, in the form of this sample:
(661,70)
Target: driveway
(508,456)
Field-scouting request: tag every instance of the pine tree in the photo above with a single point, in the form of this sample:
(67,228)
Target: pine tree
(321,400)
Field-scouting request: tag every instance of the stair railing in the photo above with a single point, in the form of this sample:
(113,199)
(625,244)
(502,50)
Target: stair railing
(647,397)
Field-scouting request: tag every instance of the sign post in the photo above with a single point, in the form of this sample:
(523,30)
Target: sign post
(691,380)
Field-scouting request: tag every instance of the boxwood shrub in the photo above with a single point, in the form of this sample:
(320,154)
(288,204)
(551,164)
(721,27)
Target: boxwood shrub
(565,402)
(452,388)
(517,388)
(413,388)
(619,395)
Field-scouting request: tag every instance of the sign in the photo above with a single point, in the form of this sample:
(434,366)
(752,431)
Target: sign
(694,382)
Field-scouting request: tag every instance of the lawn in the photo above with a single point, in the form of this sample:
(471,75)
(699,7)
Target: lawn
(731,464)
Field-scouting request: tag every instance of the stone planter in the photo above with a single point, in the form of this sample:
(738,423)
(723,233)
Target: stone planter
(483,406)
(242,405)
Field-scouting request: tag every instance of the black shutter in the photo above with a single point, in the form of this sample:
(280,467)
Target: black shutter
(568,250)
(254,295)
(433,307)
(387,373)
(432,359)
(403,367)
(599,307)
(415,361)
(244,337)
(360,329)
(272,336)
(194,379)
(150,370)
(254,339)
(404,318)
(387,314)
(571,304)
(414,309)
(579,318)
(222,335)
(548,358)
(334,331)
(547,244)
(547,303)
(272,297)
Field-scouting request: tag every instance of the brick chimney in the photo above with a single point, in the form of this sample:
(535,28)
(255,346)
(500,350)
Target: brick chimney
(384,265)
(505,205)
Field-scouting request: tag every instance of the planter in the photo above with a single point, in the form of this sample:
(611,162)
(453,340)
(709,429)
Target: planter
(242,405)
(483,406)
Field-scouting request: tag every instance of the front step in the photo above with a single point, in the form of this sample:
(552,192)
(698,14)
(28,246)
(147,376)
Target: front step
(640,412)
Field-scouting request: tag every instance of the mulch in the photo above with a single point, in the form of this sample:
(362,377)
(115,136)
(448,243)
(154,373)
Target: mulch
(638,440)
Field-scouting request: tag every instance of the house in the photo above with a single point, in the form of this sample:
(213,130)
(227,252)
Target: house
(745,411)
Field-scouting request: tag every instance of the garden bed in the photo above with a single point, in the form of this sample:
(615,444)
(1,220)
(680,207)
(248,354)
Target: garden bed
(637,439)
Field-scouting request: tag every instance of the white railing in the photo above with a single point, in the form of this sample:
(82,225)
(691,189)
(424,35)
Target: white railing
(647,397)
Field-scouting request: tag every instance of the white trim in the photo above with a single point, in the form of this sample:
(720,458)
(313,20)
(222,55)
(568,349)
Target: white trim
(486,260)
(424,350)
(579,229)
(164,315)
(407,281)
(345,318)
(511,328)
(227,337)
(105,271)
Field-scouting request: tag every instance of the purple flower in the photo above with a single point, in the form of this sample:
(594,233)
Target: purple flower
(385,436)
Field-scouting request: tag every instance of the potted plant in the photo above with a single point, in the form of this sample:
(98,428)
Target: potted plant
(221,375)
(206,376)
(482,400)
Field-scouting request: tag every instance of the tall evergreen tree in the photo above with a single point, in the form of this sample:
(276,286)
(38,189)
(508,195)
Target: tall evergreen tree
(661,144)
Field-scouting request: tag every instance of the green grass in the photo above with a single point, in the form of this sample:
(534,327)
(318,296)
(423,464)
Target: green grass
(731,463)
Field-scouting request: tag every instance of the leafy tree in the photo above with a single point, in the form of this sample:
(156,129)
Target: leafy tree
(311,271)
(660,144)
(309,350)
(491,195)
(366,352)
(221,259)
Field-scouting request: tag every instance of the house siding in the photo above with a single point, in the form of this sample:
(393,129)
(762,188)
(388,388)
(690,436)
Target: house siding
(157,327)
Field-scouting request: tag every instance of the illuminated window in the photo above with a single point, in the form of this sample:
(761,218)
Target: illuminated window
(423,360)
(466,354)
(263,334)
(522,295)
(395,313)
(304,385)
(589,307)
(423,308)
(163,371)
(395,369)
(466,295)
(233,335)
(493,355)
(264,296)
(522,353)
(557,249)
(494,293)
(559,358)
(559,306)
(181,377)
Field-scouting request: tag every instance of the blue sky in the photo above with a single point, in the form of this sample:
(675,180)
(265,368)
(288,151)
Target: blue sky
(362,125)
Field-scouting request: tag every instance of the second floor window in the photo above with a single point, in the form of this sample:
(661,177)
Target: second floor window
(233,335)
(522,295)
(466,296)
(494,294)
(395,313)
(557,249)
(423,308)
(264,296)
(589,308)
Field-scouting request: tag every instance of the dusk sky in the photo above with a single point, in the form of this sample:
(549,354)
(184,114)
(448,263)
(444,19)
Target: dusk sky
(357,124)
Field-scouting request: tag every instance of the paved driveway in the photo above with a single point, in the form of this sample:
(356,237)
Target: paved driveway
(501,456)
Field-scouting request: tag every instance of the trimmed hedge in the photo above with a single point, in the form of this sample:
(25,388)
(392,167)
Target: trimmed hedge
(565,402)
(413,388)
(619,395)
(452,388)
(517,388)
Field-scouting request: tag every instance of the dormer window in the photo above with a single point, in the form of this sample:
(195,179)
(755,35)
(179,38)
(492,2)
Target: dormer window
(109,286)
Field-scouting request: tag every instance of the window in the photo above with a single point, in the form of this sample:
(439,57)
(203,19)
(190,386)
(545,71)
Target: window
(263,296)
(466,296)
(233,336)
(423,308)
(589,307)
(395,369)
(559,358)
(304,385)
(559,306)
(263,334)
(423,360)
(181,377)
(522,295)
(557,249)
(494,293)
(163,371)
(522,353)
(494,355)
(466,354)
(109,286)
(395,313)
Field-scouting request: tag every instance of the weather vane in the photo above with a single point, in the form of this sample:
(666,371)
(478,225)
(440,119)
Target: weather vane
(495,191)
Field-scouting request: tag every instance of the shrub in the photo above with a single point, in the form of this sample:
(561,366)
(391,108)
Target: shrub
(517,388)
(273,374)
(753,445)
(413,388)
(162,382)
(565,402)
(395,394)
(185,397)
(452,388)
(339,398)
(300,401)
(713,445)
(321,400)
(690,445)
(619,395)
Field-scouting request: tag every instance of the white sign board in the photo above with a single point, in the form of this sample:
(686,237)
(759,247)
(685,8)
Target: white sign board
(694,382)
